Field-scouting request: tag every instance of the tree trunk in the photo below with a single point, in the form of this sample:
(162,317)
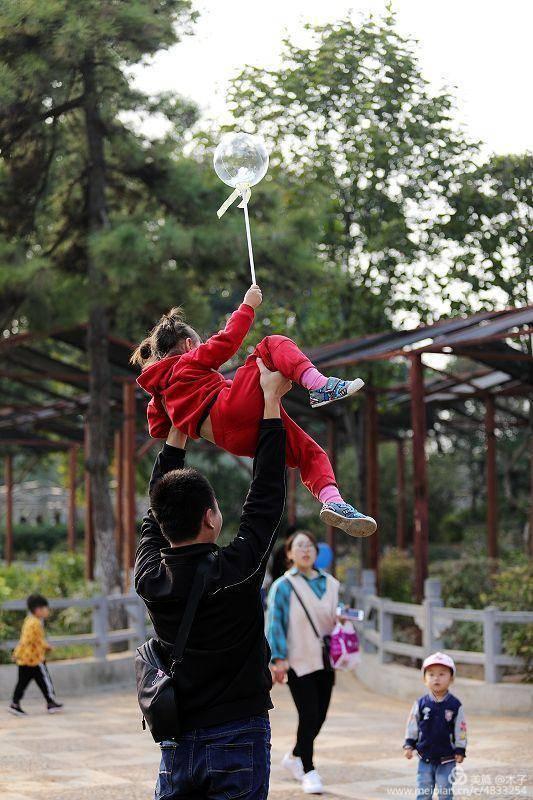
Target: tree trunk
(97,345)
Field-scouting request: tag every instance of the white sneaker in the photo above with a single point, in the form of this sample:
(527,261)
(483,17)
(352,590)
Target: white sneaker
(294,765)
(312,783)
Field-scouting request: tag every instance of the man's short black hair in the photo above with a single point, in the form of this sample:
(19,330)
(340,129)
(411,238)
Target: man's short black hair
(35,601)
(179,500)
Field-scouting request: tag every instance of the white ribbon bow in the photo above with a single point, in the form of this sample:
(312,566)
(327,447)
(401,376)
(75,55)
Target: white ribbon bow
(243,190)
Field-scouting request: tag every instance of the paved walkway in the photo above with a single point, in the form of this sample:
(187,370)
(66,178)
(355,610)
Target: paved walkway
(96,750)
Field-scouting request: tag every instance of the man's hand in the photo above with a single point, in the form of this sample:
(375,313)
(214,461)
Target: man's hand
(177,439)
(274,386)
(459,758)
(408,752)
(279,669)
(254,296)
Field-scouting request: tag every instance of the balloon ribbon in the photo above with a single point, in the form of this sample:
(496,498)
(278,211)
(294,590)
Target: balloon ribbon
(243,189)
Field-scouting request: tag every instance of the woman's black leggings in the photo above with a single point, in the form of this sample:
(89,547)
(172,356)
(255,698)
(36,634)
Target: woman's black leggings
(311,694)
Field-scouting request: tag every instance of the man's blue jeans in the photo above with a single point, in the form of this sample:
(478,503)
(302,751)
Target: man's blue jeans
(431,775)
(222,762)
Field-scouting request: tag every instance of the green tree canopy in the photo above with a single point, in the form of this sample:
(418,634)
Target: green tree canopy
(490,223)
(352,113)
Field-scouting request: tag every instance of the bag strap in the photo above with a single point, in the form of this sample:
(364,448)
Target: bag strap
(193,601)
(307,614)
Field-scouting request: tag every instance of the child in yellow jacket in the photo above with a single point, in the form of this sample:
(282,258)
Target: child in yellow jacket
(30,655)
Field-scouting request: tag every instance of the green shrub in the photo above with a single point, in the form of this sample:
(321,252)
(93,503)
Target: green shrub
(463,636)
(31,539)
(464,580)
(452,526)
(513,591)
(396,572)
(478,582)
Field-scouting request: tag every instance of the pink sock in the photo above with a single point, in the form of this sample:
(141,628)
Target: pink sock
(330,494)
(312,379)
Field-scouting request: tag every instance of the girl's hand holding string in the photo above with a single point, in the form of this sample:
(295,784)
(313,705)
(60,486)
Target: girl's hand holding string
(254,296)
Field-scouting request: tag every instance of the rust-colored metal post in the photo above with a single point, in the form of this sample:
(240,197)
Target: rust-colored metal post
(531,478)
(331,533)
(119,489)
(8,545)
(492,491)
(72,479)
(372,472)
(89,526)
(129,478)
(401,513)
(291,492)
(421,525)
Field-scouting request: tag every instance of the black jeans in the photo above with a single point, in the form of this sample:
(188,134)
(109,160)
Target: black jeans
(311,694)
(42,678)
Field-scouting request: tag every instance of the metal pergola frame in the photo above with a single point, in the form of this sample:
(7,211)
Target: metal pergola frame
(54,368)
(487,339)
(57,422)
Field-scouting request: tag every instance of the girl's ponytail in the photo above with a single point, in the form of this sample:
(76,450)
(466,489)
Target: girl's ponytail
(165,338)
(143,353)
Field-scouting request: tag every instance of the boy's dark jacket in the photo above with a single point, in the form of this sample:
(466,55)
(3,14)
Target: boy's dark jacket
(224,675)
(437,729)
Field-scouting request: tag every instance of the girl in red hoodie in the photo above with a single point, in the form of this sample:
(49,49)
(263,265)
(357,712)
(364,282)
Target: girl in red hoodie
(180,372)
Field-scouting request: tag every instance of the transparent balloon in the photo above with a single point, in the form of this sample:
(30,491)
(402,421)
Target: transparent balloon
(241,159)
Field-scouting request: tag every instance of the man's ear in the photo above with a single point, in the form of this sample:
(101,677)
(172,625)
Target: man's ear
(188,344)
(208,518)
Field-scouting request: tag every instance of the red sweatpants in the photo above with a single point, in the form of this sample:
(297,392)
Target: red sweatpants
(239,407)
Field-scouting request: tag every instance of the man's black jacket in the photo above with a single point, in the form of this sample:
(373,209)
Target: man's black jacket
(224,675)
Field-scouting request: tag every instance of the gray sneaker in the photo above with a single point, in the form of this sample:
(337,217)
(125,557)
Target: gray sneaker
(334,389)
(348,519)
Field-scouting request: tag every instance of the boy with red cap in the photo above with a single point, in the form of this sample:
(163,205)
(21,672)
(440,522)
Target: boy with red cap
(436,730)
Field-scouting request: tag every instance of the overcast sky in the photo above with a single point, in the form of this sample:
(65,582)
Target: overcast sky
(480,47)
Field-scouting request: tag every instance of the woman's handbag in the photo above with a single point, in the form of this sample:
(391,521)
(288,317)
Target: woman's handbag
(324,640)
(156,690)
(344,646)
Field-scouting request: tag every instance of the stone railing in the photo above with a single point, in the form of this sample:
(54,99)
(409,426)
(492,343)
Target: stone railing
(100,636)
(433,619)
(376,631)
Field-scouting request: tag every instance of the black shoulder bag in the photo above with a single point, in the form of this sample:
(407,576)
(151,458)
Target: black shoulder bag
(324,640)
(156,690)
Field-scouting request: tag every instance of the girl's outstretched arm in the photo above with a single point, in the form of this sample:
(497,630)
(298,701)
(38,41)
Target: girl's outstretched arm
(223,345)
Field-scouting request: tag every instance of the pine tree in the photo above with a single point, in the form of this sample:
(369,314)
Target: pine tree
(65,91)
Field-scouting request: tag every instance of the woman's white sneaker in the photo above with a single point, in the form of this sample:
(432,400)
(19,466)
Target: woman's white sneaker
(294,765)
(312,783)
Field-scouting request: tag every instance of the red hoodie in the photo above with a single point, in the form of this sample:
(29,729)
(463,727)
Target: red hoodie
(189,383)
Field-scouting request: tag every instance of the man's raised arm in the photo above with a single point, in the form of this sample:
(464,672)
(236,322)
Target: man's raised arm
(148,556)
(244,560)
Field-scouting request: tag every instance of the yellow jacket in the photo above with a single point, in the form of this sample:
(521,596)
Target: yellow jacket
(32,647)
